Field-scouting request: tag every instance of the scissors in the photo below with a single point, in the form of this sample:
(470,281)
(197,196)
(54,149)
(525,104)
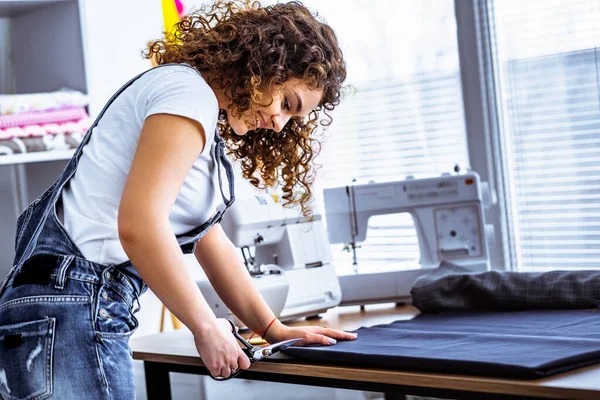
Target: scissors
(255,353)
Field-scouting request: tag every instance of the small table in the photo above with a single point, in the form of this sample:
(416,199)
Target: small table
(175,352)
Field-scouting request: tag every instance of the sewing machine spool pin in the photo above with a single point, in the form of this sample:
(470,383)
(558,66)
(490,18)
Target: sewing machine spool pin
(353,224)
(248,259)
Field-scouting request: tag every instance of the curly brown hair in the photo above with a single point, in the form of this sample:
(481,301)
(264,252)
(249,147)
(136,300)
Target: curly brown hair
(249,51)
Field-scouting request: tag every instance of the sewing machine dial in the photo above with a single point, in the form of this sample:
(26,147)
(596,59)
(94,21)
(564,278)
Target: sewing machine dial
(458,233)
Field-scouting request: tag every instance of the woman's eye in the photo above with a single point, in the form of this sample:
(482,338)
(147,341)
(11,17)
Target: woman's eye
(286,104)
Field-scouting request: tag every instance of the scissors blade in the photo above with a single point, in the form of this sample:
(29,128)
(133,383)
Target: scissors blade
(267,351)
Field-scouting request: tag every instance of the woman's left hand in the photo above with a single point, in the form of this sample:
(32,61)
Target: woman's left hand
(309,335)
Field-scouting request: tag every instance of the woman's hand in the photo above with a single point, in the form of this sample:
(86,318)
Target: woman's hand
(220,350)
(309,335)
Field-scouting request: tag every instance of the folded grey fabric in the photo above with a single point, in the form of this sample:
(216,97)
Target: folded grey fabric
(452,288)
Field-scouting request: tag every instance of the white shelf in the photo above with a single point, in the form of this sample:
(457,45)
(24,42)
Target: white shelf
(38,156)
(12,8)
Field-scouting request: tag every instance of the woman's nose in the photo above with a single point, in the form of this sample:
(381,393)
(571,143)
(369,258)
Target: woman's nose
(279,121)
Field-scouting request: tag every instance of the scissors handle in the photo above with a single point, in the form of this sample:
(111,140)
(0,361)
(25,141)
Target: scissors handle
(255,353)
(248,349)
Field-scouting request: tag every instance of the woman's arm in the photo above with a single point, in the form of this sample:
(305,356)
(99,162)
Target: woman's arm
(167,149)
(225,269)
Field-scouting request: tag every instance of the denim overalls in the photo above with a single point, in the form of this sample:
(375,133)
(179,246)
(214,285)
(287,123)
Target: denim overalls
(65,321)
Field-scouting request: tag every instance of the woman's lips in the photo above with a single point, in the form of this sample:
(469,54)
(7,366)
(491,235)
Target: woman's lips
(263,123)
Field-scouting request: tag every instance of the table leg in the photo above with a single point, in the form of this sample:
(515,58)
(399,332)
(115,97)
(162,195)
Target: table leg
(158,384)
(394,396)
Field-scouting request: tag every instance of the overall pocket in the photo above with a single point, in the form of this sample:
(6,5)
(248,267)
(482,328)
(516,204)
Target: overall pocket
(26,360)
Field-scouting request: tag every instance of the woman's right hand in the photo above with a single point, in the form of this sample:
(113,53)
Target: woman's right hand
(220,350)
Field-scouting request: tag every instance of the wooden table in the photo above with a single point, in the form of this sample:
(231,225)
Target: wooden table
(175,352)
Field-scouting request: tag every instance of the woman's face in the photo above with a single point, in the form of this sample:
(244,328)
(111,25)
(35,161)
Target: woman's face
(294,100)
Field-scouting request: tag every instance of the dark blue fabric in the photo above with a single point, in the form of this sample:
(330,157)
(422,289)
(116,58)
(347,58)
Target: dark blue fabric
(522,344)
(453,288)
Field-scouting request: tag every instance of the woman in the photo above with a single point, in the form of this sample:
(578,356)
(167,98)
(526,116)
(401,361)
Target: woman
(146,186)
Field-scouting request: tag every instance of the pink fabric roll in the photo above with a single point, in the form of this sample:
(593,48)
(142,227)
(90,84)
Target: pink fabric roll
(42,117)
(62,128)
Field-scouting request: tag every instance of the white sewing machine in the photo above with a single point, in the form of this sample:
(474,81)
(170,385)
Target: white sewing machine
(291,264)
(448,214)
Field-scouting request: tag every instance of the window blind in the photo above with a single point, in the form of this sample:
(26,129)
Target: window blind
(547,59)
(403,116)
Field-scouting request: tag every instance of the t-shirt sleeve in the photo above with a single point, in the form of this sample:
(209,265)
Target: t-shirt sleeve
(182,91)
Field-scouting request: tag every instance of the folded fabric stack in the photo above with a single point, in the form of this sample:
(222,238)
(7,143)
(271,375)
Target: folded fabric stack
(453,288)
(42,121)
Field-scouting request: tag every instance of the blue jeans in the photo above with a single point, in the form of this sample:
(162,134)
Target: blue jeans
(66,331)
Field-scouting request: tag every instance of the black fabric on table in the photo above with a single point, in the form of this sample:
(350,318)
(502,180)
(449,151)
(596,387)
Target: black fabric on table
(518,344)
(450,287)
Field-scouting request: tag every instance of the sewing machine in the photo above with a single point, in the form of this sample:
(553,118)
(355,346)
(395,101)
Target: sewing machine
(448,216)
(291,264)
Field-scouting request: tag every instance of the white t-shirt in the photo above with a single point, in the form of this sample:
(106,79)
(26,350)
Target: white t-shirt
(90,200)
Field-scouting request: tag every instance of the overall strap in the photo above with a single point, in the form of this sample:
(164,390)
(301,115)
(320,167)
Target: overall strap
(56,189)
(86,138)
(221,159)
(187,241)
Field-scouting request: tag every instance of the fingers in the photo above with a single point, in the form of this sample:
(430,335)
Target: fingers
(229,364)
(315,338)
(219,371)
(226,372)
(333,333)
(339,335)
(326,337)
(243,361)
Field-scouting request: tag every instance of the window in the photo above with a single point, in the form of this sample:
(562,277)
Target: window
(403,117)
(546,60)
